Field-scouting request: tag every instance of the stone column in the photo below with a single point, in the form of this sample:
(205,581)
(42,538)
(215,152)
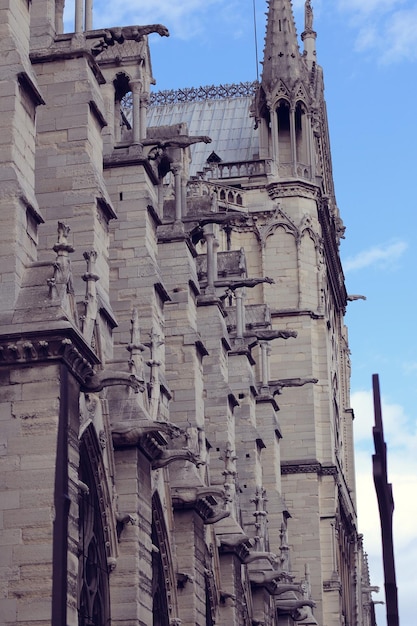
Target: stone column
(211,265)
(293,140)
(275,133)
(310,146)
(177,171)
(144,103)
(79,15)
(136,86)
(88,14)
(240,314)
(265,352)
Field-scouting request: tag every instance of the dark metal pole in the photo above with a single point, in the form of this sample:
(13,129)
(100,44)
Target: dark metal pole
(386,507)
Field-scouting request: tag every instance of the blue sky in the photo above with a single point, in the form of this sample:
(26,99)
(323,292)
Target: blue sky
(368,49)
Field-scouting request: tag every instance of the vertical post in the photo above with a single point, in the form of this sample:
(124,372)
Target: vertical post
(88,14)
(136,89)
(386,507)
(209,237)
(275,135)
(293,140)
(240,314)
(144,103)
(177,169)
(79,15)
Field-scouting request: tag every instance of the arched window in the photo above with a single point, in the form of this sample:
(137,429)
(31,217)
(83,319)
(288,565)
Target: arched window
(123,108)
(163,590)
(301,134)
(284,132)
(93,578)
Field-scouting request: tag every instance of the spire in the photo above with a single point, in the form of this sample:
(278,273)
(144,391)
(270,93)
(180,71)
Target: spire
(282,57)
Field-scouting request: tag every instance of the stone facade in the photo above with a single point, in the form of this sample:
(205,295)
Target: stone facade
(176,434)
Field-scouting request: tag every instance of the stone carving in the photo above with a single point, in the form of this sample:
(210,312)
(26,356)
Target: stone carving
(269,335)
(169,456)
(126,434)
(177,141)
(90,278)
(277,385)
(257,556)
(308,16)
(120,34)
(240,283)
(209,92)
(135,347)
(154,364)
(353,297)
(122,519)
(108,378)
(292,604)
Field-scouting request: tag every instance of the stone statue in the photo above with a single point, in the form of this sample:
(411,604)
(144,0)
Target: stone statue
(308,12)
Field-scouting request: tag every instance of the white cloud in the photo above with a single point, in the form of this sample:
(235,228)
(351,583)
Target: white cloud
(185,19)
(384,27)
(382,256)
(401,437)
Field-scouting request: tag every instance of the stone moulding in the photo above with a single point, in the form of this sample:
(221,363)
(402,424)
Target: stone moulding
(313,467)
(54,345)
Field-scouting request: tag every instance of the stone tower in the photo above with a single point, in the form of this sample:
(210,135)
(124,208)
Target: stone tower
(175,434)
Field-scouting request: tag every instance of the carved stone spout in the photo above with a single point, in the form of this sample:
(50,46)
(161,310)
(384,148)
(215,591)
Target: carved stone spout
(256,556)
(107,378)
(129,433)
(169,456)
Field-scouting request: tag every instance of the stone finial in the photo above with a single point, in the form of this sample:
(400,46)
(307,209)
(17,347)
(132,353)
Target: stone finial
(135,347)
(62,266)
(88,320)
(229,472)
(154,363)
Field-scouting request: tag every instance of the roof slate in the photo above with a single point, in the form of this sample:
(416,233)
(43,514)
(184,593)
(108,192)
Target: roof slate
(227,122)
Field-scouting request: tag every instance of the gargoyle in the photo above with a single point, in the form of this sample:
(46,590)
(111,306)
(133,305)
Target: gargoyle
(120,34)
(284,587)
(169,456)
(353,297)
(221,514)
(269,335)
(256,556)
(122,519)
(293,605)
(239,283)
(108,378)
(264,578)
(197,233)
(277,385)
(178,141)
(129,433)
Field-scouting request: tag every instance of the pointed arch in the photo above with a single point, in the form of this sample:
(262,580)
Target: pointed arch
(277,220)
(164,601)
(94,535)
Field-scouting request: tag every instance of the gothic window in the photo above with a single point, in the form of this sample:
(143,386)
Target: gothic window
(93,583)
(301,133)
(162,582)
(123,107)
(284,133)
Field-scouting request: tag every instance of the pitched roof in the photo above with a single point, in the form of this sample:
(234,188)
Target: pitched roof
(226,121)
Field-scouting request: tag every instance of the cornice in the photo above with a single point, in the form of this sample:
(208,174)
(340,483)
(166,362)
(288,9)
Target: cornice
(291,189)
(308,467)
(61,343)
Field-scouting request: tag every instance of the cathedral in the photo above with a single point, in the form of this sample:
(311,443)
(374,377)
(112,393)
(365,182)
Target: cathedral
(176,443)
